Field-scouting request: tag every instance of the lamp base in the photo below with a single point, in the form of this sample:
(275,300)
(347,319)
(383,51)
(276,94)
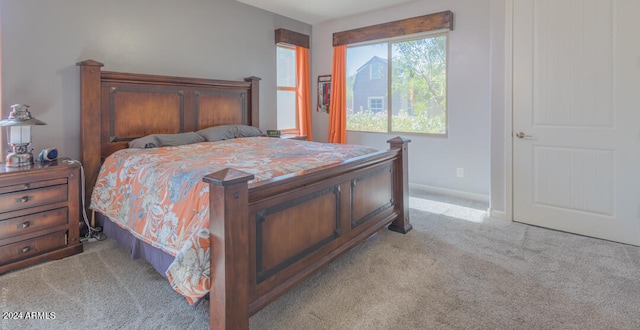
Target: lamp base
(15,159)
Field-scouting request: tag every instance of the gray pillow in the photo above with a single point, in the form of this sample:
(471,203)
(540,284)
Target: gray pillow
(218,133)
(249,131)
(162,140)
(226,132)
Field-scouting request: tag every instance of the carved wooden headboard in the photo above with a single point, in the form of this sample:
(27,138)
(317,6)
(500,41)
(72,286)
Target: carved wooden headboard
(118,107)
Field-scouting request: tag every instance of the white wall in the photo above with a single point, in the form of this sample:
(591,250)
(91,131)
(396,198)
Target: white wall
(433,160)
(42,41)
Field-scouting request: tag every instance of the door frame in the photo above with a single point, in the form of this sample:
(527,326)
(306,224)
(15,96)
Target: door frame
(508,111)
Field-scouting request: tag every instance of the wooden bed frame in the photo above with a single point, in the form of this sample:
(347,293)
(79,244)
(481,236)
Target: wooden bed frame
(268,236)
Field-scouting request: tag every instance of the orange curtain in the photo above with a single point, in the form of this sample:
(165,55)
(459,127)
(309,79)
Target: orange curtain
(338,100)
(303,91)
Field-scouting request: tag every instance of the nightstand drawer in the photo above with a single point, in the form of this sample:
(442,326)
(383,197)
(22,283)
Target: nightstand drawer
(33,222)
(32,185)
(32,247)
(33,197)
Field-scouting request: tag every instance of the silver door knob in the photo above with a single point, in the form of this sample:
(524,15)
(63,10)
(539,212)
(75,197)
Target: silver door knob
(521,135)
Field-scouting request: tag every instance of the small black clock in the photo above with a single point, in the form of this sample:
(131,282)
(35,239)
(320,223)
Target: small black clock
(273,132)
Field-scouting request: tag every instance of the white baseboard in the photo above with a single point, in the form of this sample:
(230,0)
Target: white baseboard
(451,192)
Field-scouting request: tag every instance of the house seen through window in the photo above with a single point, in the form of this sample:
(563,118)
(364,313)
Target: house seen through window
(405,94)
(287,119)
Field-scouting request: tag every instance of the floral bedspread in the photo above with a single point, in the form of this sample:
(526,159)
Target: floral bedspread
(158,194)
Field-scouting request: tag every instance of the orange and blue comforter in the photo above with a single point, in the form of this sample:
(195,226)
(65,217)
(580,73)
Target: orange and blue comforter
(159,196)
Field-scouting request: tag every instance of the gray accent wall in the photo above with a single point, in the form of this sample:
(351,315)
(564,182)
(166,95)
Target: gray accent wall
(43,39)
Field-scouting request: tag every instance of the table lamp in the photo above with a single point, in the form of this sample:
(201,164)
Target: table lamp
(19,123)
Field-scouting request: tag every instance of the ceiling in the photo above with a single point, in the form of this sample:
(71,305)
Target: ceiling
(317,11)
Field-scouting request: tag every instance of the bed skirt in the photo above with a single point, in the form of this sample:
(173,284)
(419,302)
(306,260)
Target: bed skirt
(138,249)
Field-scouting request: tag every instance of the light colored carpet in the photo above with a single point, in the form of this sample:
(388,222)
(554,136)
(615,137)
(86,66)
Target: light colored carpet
(456,270)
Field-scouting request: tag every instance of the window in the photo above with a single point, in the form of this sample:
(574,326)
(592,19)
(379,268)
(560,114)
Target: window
(287,114)
(375,104)
(376,70)
(413,85)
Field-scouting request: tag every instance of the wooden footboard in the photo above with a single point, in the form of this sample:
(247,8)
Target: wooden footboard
(269,236)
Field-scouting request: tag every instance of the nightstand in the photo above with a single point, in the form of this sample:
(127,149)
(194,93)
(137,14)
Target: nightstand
(39,213)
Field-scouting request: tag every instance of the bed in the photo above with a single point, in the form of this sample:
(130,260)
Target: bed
(250,262)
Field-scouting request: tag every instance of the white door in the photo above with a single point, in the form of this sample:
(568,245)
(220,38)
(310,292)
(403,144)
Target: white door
(576,116)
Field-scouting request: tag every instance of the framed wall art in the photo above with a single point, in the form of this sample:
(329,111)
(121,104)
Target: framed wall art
(324,93)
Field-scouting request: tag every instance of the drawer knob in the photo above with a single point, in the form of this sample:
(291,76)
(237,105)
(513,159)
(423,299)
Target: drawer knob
(27,186)
(22,200)
(24,225)
(25,249)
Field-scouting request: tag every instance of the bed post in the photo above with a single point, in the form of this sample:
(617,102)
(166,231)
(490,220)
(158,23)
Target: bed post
(90,126)
(254,103)
(401,185)
(229,251)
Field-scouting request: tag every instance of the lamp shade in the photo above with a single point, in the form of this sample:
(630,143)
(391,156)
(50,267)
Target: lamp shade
(20,116)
